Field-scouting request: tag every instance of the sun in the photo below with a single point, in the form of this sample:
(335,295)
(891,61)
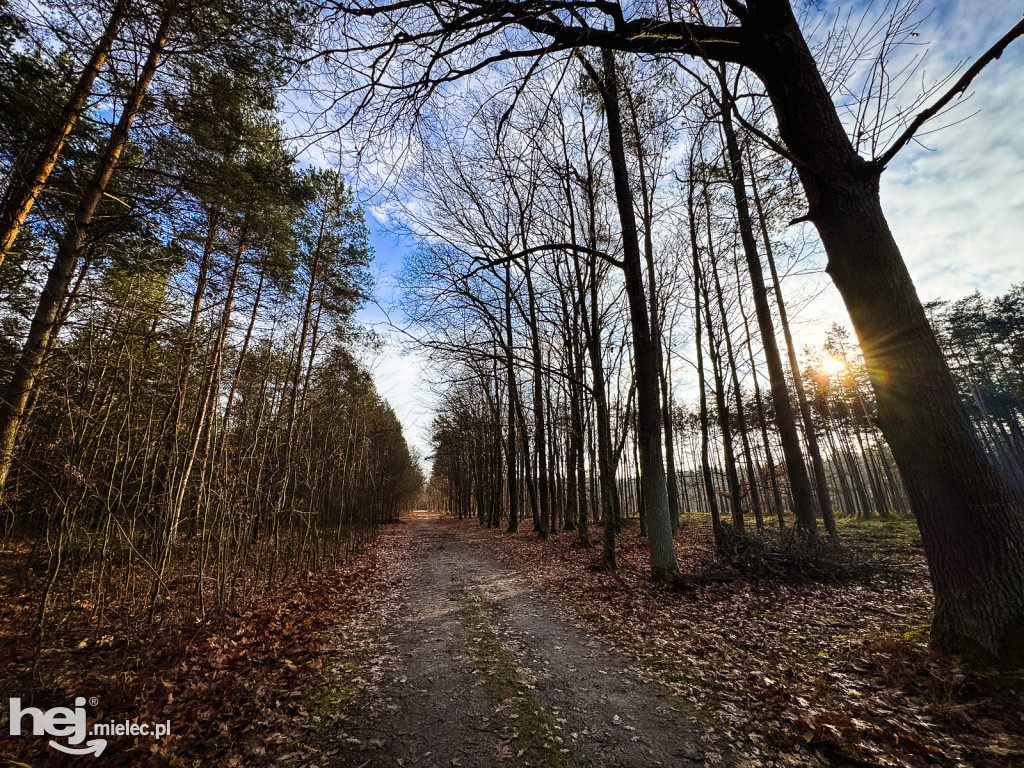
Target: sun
(831,366)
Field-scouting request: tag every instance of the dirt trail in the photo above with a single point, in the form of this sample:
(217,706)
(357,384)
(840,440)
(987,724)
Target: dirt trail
(485,672)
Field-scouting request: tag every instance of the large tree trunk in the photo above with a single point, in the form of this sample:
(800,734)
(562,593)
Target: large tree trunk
(965,509)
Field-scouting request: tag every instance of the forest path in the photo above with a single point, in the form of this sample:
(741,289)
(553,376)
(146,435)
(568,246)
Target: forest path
(484,671)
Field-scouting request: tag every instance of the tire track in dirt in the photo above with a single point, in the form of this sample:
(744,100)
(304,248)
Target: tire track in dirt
(433,709)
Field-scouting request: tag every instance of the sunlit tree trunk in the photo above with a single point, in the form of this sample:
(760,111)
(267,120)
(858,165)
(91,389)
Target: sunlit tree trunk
(69,247)
(29,182)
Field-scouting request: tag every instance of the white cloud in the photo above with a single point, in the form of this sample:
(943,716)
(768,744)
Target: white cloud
(401,379)
(955,204)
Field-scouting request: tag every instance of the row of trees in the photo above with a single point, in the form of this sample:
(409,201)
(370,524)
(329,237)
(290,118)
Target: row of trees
(184,412)
(984,342)
(605,174)
(526,295)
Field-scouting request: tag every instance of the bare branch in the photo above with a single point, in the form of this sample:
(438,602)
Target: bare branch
(956,91)
(546,247)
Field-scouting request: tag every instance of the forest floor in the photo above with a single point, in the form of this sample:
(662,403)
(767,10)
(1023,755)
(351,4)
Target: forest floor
(239,687)
(449,644)
(480,669)
(505,650)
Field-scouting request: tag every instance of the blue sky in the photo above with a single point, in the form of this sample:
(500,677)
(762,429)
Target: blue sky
(956,204)
(398,372)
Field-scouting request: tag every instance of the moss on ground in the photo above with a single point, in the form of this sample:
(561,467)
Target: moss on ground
(894,529)
(332,694)
(538,744)
(919,635)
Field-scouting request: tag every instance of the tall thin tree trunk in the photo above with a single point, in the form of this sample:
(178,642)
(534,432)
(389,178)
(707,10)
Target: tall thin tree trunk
(761,420)
(800,484)
(741,416)
(513,397)
(539,431)
(705,462)
(654,303)
(721,401)
(29,182)
(26,370)
(649,423)
(820,480)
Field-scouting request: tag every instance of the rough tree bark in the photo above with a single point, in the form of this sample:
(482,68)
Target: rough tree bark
(966,511)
